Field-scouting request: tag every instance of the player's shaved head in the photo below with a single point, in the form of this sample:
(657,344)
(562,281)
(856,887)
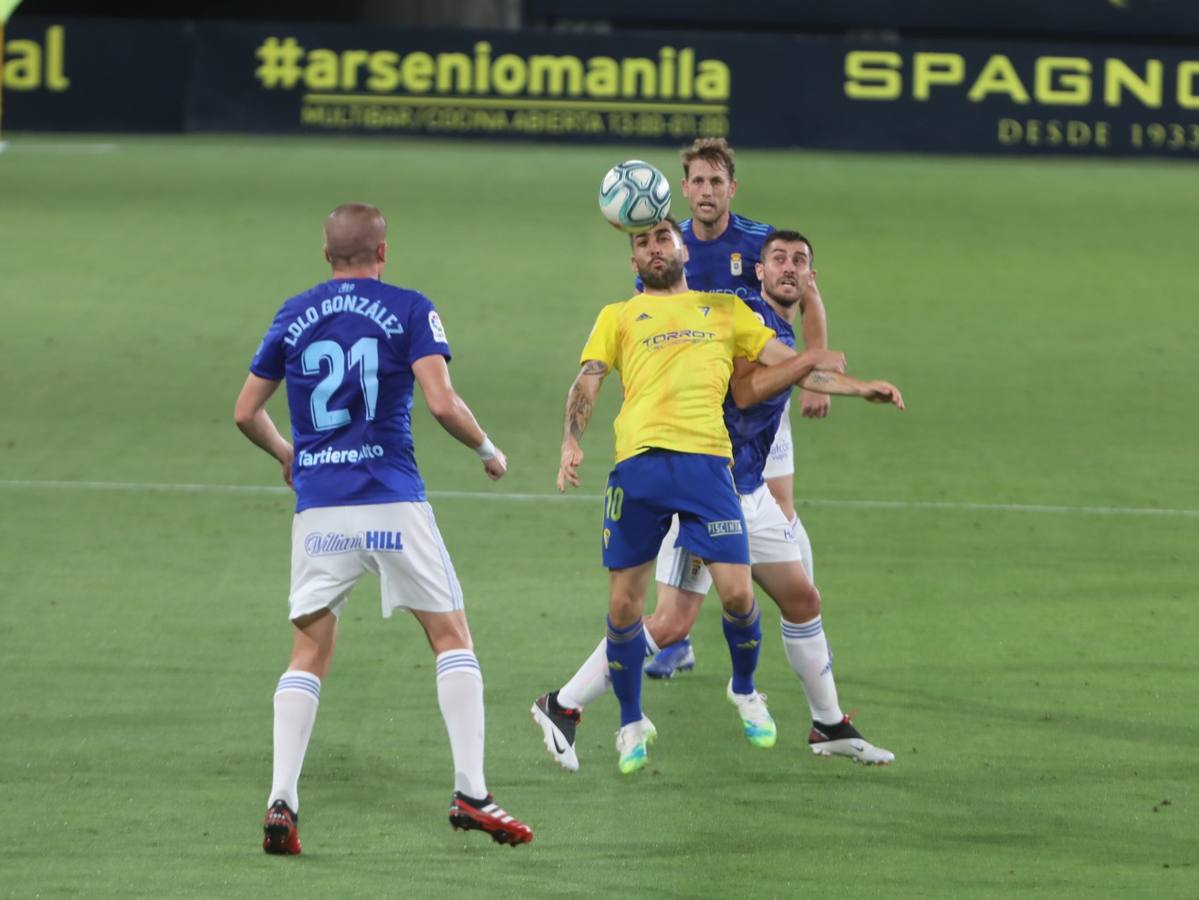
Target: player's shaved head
(353,234)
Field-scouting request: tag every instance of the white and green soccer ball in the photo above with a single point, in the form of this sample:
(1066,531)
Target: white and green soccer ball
(634,196)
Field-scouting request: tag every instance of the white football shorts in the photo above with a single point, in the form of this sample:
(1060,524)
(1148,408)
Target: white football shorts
(781,458)
(772,539)
(333,546)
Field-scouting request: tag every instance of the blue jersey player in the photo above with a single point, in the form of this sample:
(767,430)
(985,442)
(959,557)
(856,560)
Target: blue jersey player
(723,254)
(722,247)
(777,563)
(351,350)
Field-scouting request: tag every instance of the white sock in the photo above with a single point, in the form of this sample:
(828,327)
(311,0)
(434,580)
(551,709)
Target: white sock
(460,695)
(652,645)
(296,699)
(591,681)
(807,650)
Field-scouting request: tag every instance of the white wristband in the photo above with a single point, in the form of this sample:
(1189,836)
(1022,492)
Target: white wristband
(486,450)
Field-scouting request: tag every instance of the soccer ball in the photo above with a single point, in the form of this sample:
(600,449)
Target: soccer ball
(634,196)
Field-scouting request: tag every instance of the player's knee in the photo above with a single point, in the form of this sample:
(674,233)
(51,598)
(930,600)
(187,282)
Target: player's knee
(738,598)
(624,609)
(802,604)
(314,637)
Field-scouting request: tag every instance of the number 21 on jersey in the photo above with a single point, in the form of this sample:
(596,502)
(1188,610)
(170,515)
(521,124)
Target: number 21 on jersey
(364,355)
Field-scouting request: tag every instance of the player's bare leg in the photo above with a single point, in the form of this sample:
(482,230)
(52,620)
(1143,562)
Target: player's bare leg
(445,631)
(676,566)
(804,641)
(670,625)
(674,614)
(460,696)
(743,632)
(782,488)
(788,586)
(297,697)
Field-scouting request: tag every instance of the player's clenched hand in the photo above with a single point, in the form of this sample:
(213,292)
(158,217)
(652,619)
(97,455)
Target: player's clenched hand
(827,360)
(810,291)
(496,466)
(883,392)
(568,469)
(813,405)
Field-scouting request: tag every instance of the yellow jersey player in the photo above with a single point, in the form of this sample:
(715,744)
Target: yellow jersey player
(777,561)
(674,349)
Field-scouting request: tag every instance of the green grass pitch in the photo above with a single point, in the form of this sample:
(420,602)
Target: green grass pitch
(1005,614)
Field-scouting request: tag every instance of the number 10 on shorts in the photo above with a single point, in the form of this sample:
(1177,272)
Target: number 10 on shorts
(613,502)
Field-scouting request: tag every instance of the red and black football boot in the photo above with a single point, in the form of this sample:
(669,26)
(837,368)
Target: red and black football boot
(468,814)
(281,830)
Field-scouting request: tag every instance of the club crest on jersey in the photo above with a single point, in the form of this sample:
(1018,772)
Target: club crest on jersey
(735,264)
(436,327)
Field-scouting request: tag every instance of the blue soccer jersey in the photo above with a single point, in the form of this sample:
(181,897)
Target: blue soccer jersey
(725,264)
(346,349)
(752,430)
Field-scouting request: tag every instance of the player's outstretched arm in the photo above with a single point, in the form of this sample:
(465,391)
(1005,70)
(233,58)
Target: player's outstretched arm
(777,368)
(580,403)
(452,413)
(813,405)
(848,386)
(255,422)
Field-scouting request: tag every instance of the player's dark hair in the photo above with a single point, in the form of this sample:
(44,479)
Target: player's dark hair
(790,237)
(674,225)
(713,150)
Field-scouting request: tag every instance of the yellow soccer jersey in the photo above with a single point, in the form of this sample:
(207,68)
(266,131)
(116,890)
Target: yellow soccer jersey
(675,357)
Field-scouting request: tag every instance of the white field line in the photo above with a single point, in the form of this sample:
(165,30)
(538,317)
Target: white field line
(966,506)
(21,146)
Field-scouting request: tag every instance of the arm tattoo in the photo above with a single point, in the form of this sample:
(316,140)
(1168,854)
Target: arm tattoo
(578,412)
(818,377)
(578,405)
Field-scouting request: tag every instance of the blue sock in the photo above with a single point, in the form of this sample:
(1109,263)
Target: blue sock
(744,634)
(626,657)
